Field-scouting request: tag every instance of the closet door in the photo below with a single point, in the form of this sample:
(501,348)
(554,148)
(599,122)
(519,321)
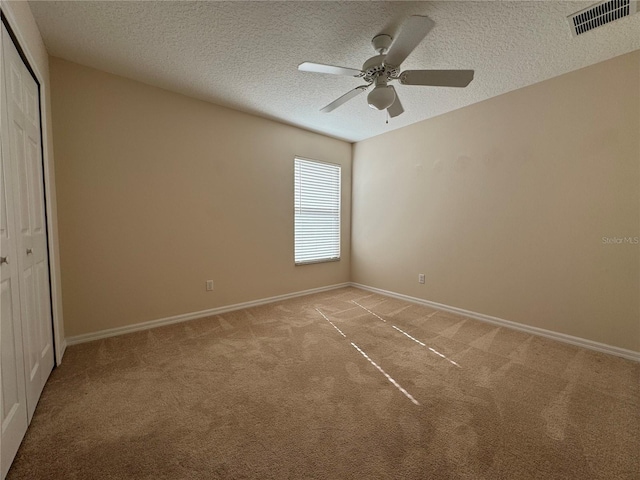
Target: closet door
(25,160)
(13,402)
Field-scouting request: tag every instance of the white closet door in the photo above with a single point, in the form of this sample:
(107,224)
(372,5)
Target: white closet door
(13,402)
(25,158)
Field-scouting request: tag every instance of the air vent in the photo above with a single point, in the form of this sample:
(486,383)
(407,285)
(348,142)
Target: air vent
(600,14)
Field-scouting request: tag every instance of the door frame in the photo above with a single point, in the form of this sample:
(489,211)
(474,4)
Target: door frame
(59,342)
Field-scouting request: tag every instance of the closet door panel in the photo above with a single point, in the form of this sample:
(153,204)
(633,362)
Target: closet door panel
(13,401)
(25,160)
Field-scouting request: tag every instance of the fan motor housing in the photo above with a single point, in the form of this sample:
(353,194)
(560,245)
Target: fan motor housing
(375,67)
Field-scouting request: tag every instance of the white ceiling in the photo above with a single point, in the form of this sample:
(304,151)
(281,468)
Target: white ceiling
(244,55)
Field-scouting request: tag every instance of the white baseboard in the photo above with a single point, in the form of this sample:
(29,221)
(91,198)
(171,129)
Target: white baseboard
(112,332)
(562,337)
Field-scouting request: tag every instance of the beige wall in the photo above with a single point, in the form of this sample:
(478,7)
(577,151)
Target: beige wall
(24,27)
(504,204)
(159,192)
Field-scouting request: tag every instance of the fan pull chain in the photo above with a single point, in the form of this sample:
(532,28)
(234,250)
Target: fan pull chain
(387,122)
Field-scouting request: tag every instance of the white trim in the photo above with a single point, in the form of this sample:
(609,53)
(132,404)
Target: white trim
(112,332)
(56,308)
(561,337)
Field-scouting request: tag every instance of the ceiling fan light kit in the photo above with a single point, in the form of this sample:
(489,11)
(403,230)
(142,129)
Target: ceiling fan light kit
(382,96)
(384,67)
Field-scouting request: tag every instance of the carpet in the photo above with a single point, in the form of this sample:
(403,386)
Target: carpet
(343,384)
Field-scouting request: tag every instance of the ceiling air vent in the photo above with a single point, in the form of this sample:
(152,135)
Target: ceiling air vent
(600,14)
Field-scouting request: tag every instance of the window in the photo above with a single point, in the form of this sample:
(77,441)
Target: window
(317,211)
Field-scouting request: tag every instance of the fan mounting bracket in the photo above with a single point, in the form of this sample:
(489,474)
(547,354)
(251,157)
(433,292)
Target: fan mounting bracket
(381,43)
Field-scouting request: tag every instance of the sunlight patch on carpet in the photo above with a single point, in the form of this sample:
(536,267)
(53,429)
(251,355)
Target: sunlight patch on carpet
(374,314)
(393,382)
(332,324)
(409,336)
(425,345)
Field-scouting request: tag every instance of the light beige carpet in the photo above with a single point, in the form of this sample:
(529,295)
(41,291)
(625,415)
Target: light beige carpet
(282,392)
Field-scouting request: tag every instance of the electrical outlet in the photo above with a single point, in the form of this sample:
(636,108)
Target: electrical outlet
(209,285)
(421,278)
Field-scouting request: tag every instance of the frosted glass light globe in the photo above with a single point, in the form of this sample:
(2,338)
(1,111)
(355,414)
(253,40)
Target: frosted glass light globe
(381,97)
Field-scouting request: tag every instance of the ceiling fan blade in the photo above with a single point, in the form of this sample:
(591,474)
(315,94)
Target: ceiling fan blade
(344,98)
(396,107)
(322,68)
(413,31)
(437,78)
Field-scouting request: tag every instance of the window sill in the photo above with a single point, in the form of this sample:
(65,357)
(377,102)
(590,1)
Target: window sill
(311,262)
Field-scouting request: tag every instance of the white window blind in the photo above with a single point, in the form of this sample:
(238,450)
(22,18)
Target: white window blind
(317,211)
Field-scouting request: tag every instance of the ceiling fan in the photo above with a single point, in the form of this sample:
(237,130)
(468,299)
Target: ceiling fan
(384,68)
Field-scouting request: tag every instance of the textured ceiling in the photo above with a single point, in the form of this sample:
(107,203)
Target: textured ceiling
(244,55)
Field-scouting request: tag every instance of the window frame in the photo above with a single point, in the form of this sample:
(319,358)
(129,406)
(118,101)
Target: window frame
(339,210)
